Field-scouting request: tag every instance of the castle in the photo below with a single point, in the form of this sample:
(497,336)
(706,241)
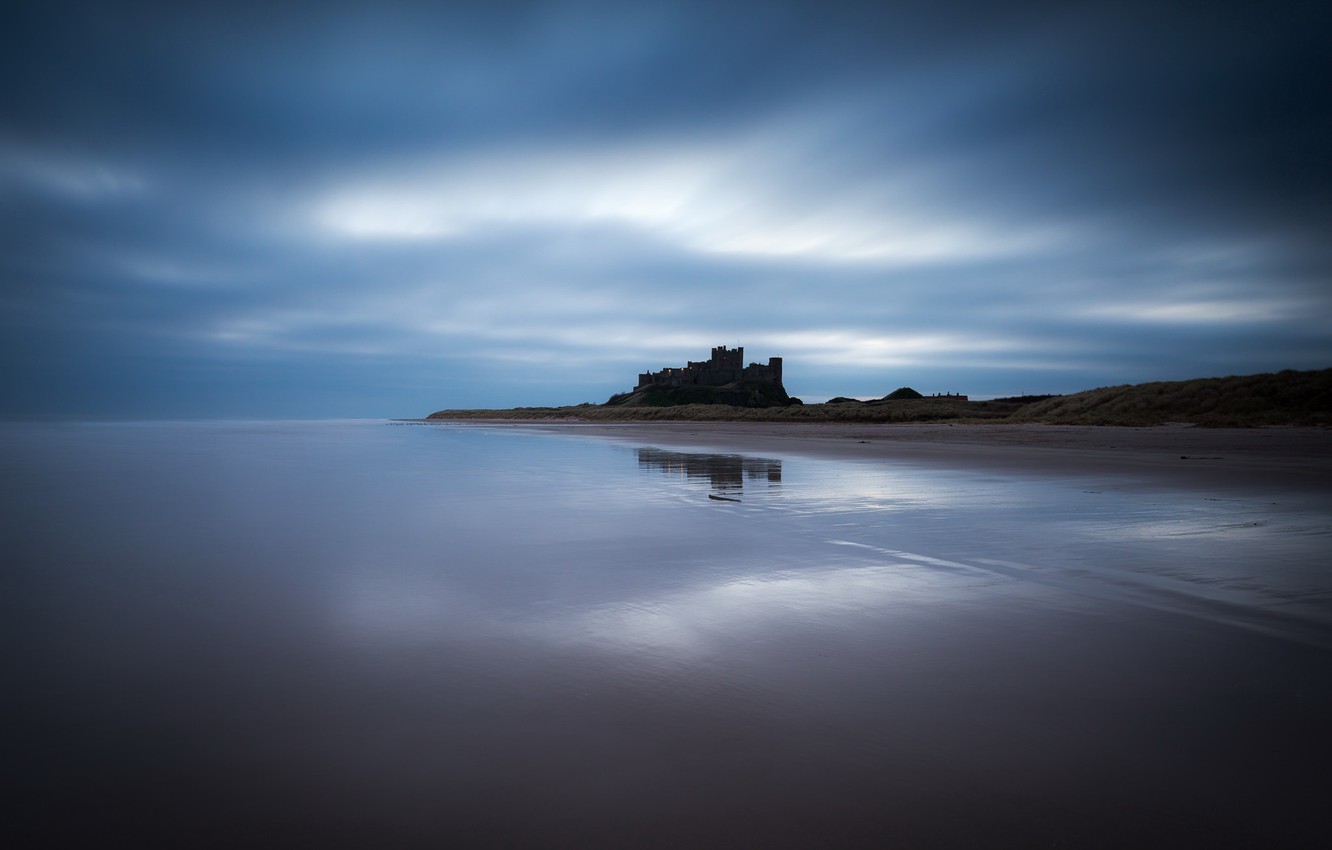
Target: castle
(725,367)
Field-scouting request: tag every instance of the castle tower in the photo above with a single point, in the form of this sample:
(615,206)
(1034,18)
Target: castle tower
(724,358)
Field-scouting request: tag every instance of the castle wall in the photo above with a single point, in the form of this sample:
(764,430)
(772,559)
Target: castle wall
(724,367)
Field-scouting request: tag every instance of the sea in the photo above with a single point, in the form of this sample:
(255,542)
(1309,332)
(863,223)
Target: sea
(394,634)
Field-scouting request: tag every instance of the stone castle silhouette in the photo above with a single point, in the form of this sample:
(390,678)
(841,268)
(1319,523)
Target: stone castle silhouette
(725,367)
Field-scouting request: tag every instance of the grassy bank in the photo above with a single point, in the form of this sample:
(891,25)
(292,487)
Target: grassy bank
(1281,398)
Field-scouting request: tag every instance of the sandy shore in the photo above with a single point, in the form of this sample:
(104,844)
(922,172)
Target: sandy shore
(1171,455)
(365,636)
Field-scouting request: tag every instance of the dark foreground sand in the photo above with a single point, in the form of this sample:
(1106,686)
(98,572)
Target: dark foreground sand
(1170,455)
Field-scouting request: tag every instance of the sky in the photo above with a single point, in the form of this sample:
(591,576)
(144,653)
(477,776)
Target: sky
(380,210)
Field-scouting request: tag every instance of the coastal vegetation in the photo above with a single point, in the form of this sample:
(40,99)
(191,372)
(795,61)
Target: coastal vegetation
(1281,398)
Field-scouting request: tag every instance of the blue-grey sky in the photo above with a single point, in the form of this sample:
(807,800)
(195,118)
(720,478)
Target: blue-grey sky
(382,209)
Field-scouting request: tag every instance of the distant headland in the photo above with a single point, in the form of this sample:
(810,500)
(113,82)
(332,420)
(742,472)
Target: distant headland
(722,388)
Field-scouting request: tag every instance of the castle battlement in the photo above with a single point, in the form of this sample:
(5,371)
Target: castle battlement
(724,367)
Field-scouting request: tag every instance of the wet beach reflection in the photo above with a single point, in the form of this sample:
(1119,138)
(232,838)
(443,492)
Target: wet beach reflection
(354,635)
(725,473)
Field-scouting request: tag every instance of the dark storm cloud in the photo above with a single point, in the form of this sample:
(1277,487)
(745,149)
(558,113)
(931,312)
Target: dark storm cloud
(1005,196)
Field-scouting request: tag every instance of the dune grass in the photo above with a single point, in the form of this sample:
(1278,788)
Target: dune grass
(1281,398)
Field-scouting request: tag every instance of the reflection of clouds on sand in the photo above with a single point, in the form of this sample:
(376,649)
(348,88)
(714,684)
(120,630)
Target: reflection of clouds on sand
(929,535)
(386,607)
(1241,560)
(368,607)
(705,618)
(887,590)
(609,562)
(810,585)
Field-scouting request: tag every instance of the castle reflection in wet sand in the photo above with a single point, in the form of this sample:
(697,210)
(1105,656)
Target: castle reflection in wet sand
(726,473)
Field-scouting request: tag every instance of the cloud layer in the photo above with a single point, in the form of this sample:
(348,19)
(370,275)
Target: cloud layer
(382,210)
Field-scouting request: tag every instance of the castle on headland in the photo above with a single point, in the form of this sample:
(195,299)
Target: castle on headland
(725,367)
(722,379)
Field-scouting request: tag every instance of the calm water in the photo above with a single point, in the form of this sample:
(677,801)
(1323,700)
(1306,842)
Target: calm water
(369,634)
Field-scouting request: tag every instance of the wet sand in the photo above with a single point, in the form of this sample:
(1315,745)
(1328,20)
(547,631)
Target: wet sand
(352,635)
(1170,455)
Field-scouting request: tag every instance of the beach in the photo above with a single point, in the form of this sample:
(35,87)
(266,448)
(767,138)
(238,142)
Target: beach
(1183,455)
(560,635)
